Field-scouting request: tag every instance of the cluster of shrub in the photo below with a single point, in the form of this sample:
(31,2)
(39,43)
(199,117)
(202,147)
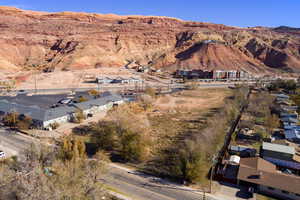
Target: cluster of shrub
(16,120)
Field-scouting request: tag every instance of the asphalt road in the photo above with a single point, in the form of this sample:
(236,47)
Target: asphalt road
(139,186)
(134,185)
(119,87)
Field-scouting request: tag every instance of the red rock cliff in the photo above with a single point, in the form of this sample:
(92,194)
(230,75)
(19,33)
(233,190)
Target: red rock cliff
(78,40)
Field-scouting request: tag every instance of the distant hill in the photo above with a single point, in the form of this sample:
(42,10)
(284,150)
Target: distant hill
(71,40)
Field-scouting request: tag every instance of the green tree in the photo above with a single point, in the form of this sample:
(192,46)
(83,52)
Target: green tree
(72,149)
(132,146)
(104,135)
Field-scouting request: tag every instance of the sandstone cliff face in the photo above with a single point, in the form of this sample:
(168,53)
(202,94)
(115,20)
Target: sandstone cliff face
(67,40)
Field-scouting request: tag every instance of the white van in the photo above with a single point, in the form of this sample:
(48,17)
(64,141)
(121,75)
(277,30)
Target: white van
(2,154)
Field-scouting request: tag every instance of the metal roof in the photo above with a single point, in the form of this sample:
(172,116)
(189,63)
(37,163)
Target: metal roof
(106,98)
(283,96)
(278,148)
(293,115)
(289,119)
(32,111)
(283,163)
(58,112)
(46,114)
(35,112)
(290,127)
(292,134)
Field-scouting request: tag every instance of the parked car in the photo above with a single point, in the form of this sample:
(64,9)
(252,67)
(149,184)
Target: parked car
(2,154)
(22,92)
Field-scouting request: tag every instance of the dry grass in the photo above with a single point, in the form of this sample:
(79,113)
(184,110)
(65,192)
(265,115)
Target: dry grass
(200,99)
(187,110)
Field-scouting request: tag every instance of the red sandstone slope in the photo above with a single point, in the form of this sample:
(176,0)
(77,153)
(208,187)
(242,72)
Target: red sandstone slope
(80,40)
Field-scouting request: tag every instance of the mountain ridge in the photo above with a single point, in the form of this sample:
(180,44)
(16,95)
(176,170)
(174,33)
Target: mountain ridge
(70,40)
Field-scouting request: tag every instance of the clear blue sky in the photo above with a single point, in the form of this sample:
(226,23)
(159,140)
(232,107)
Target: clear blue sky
(230,12)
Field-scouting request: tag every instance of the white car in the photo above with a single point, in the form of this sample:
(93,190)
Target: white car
(2,154)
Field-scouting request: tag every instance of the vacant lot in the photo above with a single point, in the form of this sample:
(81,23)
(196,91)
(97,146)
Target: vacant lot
(66,79)
(173,135)
(191,100)
(188,110)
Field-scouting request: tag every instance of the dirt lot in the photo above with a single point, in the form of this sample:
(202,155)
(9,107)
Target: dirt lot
(68,79)
(192,100)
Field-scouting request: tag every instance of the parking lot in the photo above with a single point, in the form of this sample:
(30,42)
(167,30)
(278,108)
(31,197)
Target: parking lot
(14,144)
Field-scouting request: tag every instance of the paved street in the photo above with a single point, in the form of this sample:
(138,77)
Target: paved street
(142,187)
(120,87)
(133,185)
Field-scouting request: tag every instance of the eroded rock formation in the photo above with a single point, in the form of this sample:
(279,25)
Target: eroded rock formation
(79,40)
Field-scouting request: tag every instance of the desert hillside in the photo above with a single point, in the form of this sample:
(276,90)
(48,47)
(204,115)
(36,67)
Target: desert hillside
(70,40)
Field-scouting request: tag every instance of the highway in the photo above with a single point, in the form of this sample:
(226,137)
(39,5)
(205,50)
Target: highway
(120,87)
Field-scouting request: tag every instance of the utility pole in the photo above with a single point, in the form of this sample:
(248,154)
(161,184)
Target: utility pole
(214,162)
(211,176)
(35,83)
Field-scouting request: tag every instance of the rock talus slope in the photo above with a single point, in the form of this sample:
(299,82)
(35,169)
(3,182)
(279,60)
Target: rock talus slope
(69,40)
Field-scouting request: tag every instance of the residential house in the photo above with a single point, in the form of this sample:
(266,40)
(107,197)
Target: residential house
(291,115)
(283,102)
(242,151)
(292,133)
(262,175)
(289,108)
(278,151)
(281,96)
(283,156)
(289,120)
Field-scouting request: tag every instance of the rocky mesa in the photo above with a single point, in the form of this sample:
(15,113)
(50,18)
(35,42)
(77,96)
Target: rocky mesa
(67,40)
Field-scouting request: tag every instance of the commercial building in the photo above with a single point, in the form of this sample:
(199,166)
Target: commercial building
(213,74)
(118,79)
(100,104)
(54,110)
(230,74)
